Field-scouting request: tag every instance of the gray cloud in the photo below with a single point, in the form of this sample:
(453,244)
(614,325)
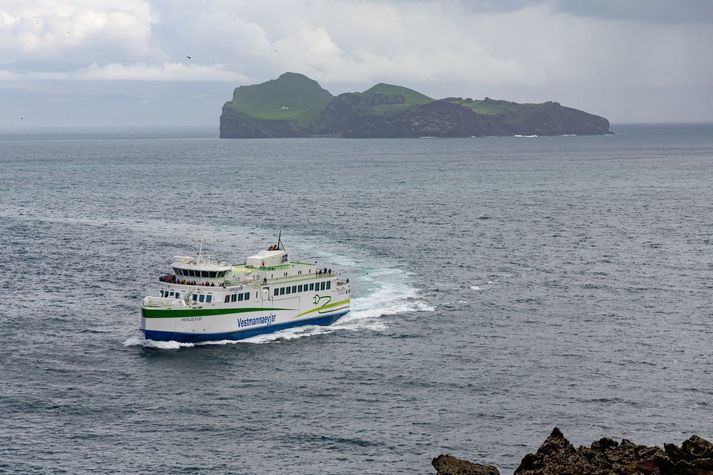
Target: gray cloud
(629,61)
(659,11)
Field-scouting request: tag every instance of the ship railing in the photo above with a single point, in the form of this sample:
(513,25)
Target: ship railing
(165,302)
(297,278)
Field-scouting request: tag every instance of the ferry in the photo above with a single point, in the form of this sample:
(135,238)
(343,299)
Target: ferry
(208,300)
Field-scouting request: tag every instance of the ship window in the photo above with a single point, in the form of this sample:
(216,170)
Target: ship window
(274,291)
(329,284)
(294,289)
(213,274)
(189,273)
(177,295)
(162,293)
(208,298)
(201,298)
(227,298)
(234,297)
(240,297)
(177,270)
(299,288)
(282,291)
(322,286)
(289,290)
(170,294)
(195,297)
(247,295)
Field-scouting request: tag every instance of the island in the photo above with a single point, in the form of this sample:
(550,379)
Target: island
(294,105)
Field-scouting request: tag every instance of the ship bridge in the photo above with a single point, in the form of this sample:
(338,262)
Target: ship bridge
(196,267)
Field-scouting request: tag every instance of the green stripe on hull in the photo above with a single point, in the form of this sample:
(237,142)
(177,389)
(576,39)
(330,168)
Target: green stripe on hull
(324,307)
(201,312)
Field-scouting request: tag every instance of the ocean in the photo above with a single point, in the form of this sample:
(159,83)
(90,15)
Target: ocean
(501,287)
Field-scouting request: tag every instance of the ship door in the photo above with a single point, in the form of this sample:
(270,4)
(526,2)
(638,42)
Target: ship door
(265,296)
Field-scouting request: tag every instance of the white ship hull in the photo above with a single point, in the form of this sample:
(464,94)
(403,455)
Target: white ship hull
(172,320)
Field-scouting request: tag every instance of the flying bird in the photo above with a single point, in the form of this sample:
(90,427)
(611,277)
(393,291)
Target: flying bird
(188,57)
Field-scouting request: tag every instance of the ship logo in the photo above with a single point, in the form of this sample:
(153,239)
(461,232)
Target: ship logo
(318,300)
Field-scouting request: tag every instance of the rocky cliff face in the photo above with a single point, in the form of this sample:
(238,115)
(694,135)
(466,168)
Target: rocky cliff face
(239,125)
(270,110)
(436,119)
(558,456)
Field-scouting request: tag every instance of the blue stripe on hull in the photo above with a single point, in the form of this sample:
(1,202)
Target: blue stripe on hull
(237,335)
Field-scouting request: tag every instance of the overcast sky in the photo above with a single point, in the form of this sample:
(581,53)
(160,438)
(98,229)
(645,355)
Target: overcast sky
(105,62)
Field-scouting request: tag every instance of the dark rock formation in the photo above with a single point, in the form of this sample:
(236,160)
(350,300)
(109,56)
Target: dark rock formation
(436,119)
(339,111)
(554,119)
(449,465)
(605,456)
(557,456)
(239,125)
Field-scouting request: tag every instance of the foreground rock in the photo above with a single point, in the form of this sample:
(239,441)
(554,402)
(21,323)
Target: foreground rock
(449,465)
(605,456)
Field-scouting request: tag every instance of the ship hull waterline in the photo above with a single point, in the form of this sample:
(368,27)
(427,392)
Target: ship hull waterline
(242,334)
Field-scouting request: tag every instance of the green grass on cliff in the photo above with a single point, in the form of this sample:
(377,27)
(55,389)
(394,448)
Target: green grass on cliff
(292,96)
(299,99)
(413,98)
(489,106)
(515,112)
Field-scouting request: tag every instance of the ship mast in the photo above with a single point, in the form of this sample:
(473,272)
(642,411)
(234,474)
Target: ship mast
(200,242)
(279,241)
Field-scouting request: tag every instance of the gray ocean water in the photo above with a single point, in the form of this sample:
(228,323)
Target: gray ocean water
(502,286)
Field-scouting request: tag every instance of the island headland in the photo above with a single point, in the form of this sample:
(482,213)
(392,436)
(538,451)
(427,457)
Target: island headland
(294,105)
(557,455)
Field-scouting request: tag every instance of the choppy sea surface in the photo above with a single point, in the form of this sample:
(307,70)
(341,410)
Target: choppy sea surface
(502,286)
